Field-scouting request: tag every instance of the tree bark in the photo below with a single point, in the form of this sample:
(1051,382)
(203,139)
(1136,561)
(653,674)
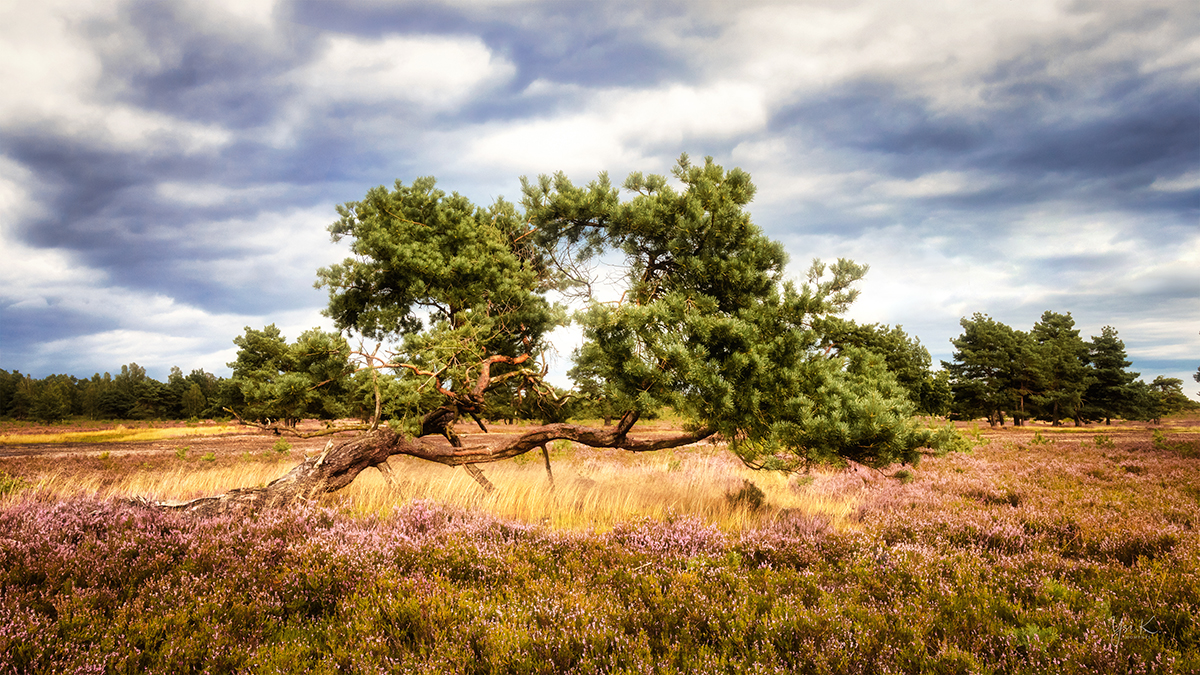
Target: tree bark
(341,462)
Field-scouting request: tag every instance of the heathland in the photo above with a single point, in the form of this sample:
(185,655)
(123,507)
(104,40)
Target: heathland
(1044,549)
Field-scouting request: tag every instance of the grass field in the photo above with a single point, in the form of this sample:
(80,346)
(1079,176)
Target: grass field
(1044,550)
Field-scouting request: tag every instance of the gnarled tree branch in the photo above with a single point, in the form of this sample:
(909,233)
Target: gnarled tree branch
(340,463)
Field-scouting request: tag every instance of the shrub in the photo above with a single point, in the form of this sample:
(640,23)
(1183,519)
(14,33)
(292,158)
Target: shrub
(947,439)
(750,496)
(1182,448)
(11,485)
(282,446)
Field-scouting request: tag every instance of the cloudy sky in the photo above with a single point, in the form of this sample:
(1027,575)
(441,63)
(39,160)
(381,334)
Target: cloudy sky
(168,169)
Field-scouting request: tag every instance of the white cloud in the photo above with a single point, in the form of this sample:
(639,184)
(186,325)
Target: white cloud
(1188,181)
(29,274)
(433,72)
(154,331)
(212,194)
(944,51)
(938,184)
(617,127)
(52,79)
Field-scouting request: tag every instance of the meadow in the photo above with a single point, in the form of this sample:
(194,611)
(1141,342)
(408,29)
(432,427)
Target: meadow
(1045,549)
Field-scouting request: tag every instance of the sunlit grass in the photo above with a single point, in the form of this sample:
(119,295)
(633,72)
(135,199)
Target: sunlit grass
(598,490)
(117,435)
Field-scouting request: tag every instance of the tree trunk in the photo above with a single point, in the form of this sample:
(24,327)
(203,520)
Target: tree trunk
(341,461)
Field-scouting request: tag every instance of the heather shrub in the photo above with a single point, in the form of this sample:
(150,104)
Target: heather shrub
(1049,558)
(1186,449)
(99,585)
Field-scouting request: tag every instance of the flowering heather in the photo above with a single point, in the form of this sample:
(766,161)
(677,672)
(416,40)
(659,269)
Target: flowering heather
(1064,557)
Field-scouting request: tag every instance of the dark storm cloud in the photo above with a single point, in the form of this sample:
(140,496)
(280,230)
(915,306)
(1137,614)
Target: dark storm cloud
(1134,133)
(155,56)
(25,327)
(105,209)
(593,44)
(879,117)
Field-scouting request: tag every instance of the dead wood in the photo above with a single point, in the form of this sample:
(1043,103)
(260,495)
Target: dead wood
(342,460)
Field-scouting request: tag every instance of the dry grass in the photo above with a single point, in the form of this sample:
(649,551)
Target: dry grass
(120,434)
(591,489)
(597,489)
(1077,471)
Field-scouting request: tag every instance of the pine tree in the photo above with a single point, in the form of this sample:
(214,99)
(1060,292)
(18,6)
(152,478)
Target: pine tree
(1110,393)
(193,402)
(904,355)
(278,381)
(1064,372)
(982,372)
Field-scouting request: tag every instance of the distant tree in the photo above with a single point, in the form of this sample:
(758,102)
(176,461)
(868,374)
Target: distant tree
(52,400)
(278,381)
(24,397)
(1110,392)
(903,354)
(1025,377)
(91,392)
(133,395)
(1167,398)
(1065,377)
(173,391)
(210,385)
(8,388)
(597,398)
(982,370)
(193,402)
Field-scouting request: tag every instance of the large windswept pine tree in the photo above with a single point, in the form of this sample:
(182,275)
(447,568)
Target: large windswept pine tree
(706,324)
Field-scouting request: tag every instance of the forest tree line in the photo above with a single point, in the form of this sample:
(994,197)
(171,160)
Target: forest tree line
(1051,373)
(998,373)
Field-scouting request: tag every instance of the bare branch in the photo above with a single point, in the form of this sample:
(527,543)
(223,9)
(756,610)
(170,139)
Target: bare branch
(485,370)
(277,428)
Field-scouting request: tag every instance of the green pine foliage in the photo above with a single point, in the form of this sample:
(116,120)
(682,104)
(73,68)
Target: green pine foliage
(1063,367)
(904,356)
(709,327)
(1052,374)
(1111,392)
(278,381)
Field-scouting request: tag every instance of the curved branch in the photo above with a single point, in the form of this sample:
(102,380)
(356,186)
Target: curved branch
(485,371)
(339,464)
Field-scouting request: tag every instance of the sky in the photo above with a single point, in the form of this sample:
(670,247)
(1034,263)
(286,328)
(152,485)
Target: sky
(168,169)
